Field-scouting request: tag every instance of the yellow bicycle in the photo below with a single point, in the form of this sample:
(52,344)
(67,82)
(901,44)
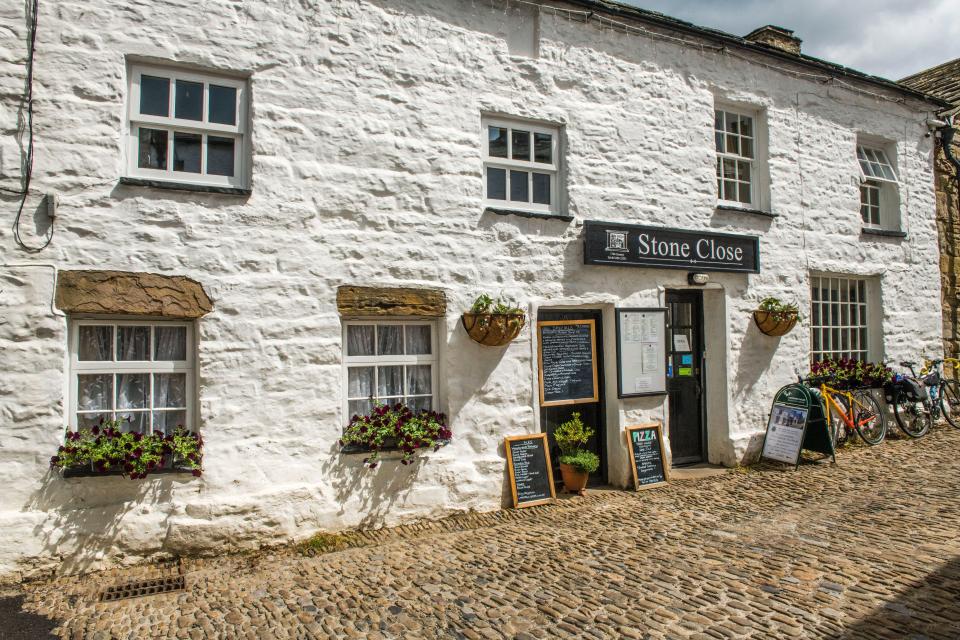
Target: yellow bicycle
(849,410)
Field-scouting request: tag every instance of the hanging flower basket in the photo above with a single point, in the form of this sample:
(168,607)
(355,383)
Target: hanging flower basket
(775,323)
(493,329)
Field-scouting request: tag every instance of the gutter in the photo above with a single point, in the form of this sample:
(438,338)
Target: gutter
(621,10)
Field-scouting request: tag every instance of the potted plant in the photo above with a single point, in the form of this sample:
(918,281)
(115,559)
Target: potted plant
(576,463)
(776,318)
(493,323)
(105,449)
(396,428)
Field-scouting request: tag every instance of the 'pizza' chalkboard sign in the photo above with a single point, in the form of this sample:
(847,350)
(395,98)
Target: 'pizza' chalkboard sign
(647,457)
(568,363)
(528,465)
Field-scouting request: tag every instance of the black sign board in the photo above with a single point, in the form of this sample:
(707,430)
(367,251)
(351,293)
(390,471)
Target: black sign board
(632,245)
(647,457)
(528,464)
(568,364)
(797,421)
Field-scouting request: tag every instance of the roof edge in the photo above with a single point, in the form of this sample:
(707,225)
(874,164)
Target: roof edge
(621,10)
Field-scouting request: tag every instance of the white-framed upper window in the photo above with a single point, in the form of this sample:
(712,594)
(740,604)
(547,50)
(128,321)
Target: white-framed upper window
(389,361)
(186,126)
(735,134)
(141,372)
(839,318)
(521,165)
(879,188)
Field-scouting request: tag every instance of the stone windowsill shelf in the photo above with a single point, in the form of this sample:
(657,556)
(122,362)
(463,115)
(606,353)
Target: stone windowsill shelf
(537,215)
(184,186)
(87,472)
(886,233)
(753,212)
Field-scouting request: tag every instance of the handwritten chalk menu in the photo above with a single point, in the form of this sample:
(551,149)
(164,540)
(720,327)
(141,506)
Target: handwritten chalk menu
(528,464)
(641,352)
(648,459)
(568,363)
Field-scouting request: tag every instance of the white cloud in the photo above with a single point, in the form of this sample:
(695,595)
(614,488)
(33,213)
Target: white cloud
(888,38)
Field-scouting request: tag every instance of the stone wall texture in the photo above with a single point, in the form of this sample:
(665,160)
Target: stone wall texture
(948,223)
(367,171)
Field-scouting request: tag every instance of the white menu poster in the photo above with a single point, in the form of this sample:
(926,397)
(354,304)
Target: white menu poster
(641,352)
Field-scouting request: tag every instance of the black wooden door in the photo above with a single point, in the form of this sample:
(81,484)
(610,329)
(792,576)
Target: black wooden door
(685,376)
(592,413)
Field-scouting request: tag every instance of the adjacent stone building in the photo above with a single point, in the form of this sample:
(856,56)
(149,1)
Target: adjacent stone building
(943,81)
(258,219)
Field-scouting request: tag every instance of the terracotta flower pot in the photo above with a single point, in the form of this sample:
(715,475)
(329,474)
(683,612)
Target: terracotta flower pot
(774,324)
(493,329)
(574,480)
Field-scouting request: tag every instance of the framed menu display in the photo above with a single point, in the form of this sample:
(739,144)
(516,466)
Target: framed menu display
(568,364)
(641,352)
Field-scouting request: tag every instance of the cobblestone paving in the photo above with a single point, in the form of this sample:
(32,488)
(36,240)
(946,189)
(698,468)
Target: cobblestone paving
(865,549)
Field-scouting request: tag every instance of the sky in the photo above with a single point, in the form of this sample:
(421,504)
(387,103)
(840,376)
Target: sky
(887,38)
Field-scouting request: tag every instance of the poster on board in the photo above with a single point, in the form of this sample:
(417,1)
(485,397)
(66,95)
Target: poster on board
(641,352)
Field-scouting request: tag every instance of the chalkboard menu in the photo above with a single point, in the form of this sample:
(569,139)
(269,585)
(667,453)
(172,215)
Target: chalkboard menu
(568,363)
(528,465)
(647,457)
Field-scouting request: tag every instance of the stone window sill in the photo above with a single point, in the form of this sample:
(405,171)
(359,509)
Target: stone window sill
(184,186)
(87,472)
(538,215)
(886,233)
(747,210)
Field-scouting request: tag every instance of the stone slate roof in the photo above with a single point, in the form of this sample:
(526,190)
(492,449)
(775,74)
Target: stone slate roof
(942,81)
(653,18)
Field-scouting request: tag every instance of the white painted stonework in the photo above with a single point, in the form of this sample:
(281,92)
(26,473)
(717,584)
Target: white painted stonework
(367,170)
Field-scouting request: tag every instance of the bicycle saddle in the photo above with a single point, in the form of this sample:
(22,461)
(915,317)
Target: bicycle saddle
(907,364)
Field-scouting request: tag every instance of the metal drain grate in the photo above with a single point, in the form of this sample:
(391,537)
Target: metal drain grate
(142,588)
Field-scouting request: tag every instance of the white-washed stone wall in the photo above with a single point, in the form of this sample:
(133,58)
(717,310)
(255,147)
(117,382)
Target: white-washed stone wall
(365,132)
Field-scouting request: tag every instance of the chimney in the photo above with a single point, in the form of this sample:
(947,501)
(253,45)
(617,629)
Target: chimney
(776,37)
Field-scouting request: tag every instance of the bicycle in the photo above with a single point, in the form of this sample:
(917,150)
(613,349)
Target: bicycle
(912,407)
(944,392)
(848,410)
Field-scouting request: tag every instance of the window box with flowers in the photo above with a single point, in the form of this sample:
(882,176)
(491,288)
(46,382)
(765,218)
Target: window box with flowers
(105,449)
(395,428)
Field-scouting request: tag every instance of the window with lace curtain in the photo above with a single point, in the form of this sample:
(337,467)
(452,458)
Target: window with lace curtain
(386,362)
(139,372)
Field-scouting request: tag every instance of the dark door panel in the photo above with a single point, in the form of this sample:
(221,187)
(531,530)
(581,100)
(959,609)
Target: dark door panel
(591,413)
(685,376)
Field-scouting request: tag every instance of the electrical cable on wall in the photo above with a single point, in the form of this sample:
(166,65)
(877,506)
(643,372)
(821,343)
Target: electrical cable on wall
(28,164)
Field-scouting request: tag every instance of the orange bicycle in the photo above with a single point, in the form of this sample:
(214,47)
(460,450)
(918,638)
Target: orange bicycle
(849,410)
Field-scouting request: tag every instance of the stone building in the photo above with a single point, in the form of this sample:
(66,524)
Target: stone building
(943,81)
(256,219)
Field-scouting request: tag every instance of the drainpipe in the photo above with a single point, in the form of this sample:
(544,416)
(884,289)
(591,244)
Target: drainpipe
(946,139)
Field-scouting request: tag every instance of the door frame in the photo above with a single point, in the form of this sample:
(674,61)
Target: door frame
(595,313)
(697,295)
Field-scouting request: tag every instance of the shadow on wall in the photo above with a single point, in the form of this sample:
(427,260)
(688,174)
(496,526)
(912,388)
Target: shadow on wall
(925,609)
(370,492)
(756,354)
(85,517)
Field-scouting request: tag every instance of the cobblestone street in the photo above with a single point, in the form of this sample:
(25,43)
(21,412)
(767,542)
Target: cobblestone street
(865,549)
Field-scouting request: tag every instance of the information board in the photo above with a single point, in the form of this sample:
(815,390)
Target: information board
(797,421)
(568,363)
(641,352)
(528,466)
(647,457)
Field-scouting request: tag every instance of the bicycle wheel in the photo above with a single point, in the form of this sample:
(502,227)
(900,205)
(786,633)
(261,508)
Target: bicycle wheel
(912,417)
(950,402)
(868,417)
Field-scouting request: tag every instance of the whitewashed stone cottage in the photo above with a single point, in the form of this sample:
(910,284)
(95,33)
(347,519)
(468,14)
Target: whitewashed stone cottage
(223,194)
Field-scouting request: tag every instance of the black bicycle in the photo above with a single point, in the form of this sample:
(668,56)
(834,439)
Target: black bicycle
(912,406)
(944,392)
